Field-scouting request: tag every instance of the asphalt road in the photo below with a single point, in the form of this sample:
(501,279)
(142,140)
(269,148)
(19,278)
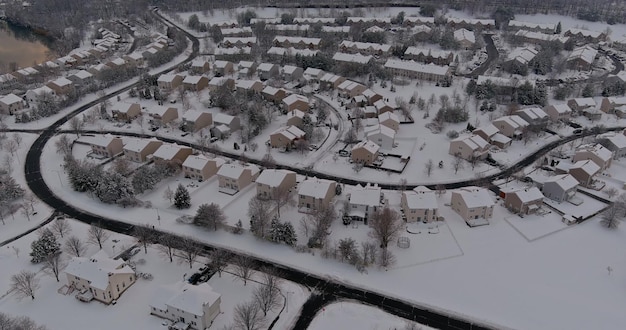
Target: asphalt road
(492,55)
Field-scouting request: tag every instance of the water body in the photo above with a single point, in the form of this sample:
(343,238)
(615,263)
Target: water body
(21,46)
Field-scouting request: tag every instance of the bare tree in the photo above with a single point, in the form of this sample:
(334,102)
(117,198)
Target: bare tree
(267,295)
(610,217)
(18,139)
(74,246)
(302,146)
(76,125)
(31,200)
(97,235)
(25,211)
(209,216)
(24,284)
(243,268)
(386,226)
(188,250)
(281,196)
(219,260)
(144,235)
(351,136)
(168,194)
(63,145)
(167,246)
(18,323)
(321,219)
(386,259)
(611,192)
(429,167)
(8,164)
(122,165)
(457,164)
(441,189)
(54,264)
(61,227)
(259,211)
(11,146)
(248,316)
(368,253)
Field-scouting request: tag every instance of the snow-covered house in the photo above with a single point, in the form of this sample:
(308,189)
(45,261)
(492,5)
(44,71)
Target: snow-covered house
(195,83)
(116,63)
(223,68)
(278,52)
(595,152)
(138,150)
(536,27)
(365,48)
(419,204)
(245,69)
(267,71)
(255,86)
(134,59)
(199,66)
(560,111)
(349,88)
(314,194)
(292,73)
(581,104)
(582,58)
(364,202)
(169,82)
(11,103)
(33,95)
(98,69)
(340,58)
(491,134)
(465,38)
(61,86)
(244,31)
(609,104)
(195,120)
(469,23)
(26,75)
(81,78)
(188,306)
(521,56)
(162,115)
(615,142)
(296,102)
(221,82)
(560,187)
(376,21)
(372,97)
(472,203)
(201,168)
(438,57)
(414,70)
(313,74)
(585,35)
(171,154)
(511,126)
(296,42)
(224,125)
(104,145)
(381,135)
(274,94)
(99,277)
(533,115)
(469,147)
(295,118)
(365,152)
(382,107)
(285,137)
(390,120)
(125,112)
(272,182)
(418,20)
(238,42)
(584,171)
(523,201)
(538,38)
(234,177)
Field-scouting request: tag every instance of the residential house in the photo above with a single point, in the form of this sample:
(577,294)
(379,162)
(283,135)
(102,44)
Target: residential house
(61,86)
(364,202)
(81,78)
(278,53)
(584,171)
(374,21)
(365,152)
(296,101)
(104,145)
(470,147)
(200,66)
(187,306)
(615,142)
(99,277)
(255,86)
(418,21)
(472,203)
(560,111)
(511,126)
(315,194)
(171,154)
(138,150)
(465,38)
(195,83)
(609,104)
(267,71)
(581,104)
(195,120)
(169,82)
(285,137)
(218,82)
(371,96)
(201,168)
(515,25)
(116,63)
(540,39)
(246,69)
(521,56)
(224,125)
(470,23)
(382,107)
(560,187)
(582,58)
(390,120)
(292,73)
(11,103)
(97,69)
(364,48)
(162,115)
(313,74)
(350,88)
(491,134)
(595,152)
(295,118)
(533,115)
(245,31)
(296,42)
(585,35)
(414,70)
(524,201)
(134,59)
(33,95)
(223,68)
(438,57)
(381,135)
(274,94)
(342,58)
(331,81)
(419,204)
(239,42)
(275,183)
(126,112)
(234,177)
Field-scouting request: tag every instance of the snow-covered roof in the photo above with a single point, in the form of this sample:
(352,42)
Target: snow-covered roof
(311,20)
(41,90)
(515,121)
(273,177)
(584,33)
(464,35)
(135,56)
(585,53)
(565,181)
(368,195)
(245,64)
(168,151)
(422,198)
(193,115)
(62,81)
(289,69)
(361,46)
(97,268)
(239,30)
(233,171)
(500,138)
(313,72)
(473,141)
(420,29)
(160,110)
(475,196)
(287,27)
(588,166)
(10,99)
(527,195)
(533,113)
(82,74)
(470,21)
(331,78)
(99,67)
(380,129)
(219,81)
(192,80)
(193,298)
(246,84)
(489,129)
(335,29)
(118,61)
(616,101)
(354,58)
(123,107)
(369,19)
(137,145)
(233,51)
(417,67)
(222,118)
(538,36)
(295,40)
(522,55)
(221,64)
(530,25)
(293,98)
(197,162)
(616,139)
(290,132)
(598,150)
(346,85)
(561,108)
(412,50)
(388,116)
(167,78)
(292,51)
(266,20)
(266,67)
(99,140)
(419,19)
(314,187)
(368,145)
(295,113)
(584,102)
(242,40)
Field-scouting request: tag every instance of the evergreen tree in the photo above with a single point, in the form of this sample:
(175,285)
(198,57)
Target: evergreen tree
(46,245)
(289,234)
(113,187)
(558,28)
(275,228)
(238,227)
(182,200)
(9,189)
